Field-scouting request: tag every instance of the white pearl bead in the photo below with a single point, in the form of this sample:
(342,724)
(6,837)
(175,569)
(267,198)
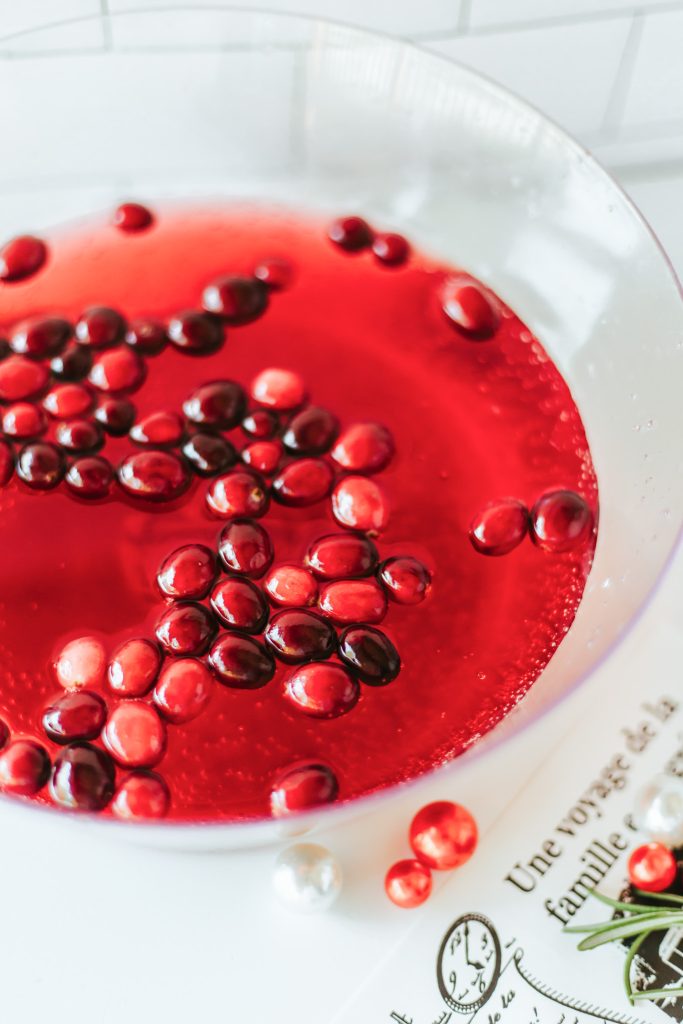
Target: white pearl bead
(307,878)
(658,810)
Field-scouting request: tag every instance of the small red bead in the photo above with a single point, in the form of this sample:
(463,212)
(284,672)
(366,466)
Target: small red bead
(40,465)
(239,604)
(41,337)
(342,556)
(408,883)
(561,521)
(364,448)
(147,337)
(185,628)
(303,787)
(134,735)
(469,309)
(65,401)
(195,333)
(79,435)
(237,300)
(22,257)
(241,492)
(652,867)
(6,463)
(241,663)
(245,548)
(132,217)
(183,690)
(406,580)
(76,715)
(390,249)
(278,389)
(359,504)
(116,415)
(187,572)
(134,667)
(23,421)
(443,835)
(500,527)
(118,372)
(263,456)
(164,429)
(24,768)
(154,476)
(21,378)
(303,482)
(90,476)
(82,778)
(100,327)
(347,601)
(322,689)
(142,796)
(291,586)
(220,404)
(353,234)
(276,273)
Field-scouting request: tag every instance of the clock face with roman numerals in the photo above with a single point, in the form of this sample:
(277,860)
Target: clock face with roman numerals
(468,966)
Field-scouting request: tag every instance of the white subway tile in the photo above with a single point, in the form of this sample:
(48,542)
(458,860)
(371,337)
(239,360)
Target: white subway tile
(655,95)
(487,13)
(21,15)
(69,36)
(659,200)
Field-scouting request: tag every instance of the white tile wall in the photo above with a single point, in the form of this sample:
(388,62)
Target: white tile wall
(485,13)
(20,15)
(655,93)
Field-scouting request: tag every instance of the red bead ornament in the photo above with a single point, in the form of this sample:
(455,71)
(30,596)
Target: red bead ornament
(652,867)
(408,883)
(443,835)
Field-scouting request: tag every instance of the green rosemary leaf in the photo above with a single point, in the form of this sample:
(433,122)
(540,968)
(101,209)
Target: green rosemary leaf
(633,949)
(603,926)
(658,993)
(631,908)
(666,897)
(631,926)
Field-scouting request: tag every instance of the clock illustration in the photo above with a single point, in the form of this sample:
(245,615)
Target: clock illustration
(468,965)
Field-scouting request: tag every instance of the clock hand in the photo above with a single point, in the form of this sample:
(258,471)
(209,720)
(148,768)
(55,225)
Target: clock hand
(470,963)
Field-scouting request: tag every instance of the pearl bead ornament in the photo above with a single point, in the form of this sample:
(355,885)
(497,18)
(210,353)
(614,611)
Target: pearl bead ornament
(307,878)
(658,811)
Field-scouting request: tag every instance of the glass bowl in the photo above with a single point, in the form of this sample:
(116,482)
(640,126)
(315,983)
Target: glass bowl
(225,103)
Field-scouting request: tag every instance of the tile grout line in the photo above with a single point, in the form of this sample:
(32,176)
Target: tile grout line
(616,102)
(464,16)
(106,24)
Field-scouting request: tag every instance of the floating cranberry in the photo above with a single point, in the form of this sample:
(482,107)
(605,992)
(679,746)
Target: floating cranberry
(142,796)
(134,735)
(322,690)
(443,835)
(311,431)
(40,465)
(195,333)
(468,309)
(73,364)
(164,429)
(4,733)
(297,635)
(187,572)
(240,492)
(370,653)
(148,337)
(500,527)
(364,448)
(6,463)
(21,378)
(118,371)
(23,421)
(100,327)
(134,667)
(209,454)
(408,883)
(358,503)
(261,424)
(276,273)
(4,348)
(652,867)
(342,556)
(303,482)
(68,400)
(24,768)
(183,690)
(241,663)
(79,435)
(220,404)
(561,521)
(82,778)
(353,234)
(245,548)
(406,580)
(154,476)
(291,586)
(240,604)
(237,300)
(116,415)
(42,337)
(132,217)
(185,628)
(278,389)
(81,664)
(347,601)
(263,456)
(22,257)
(302,788)
(90,476)
(78,715)
(390,249)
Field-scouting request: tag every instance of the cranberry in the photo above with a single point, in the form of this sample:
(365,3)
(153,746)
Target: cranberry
(390,249)
(79,435)
(303,482)
(118,371)
(245,548)
(183,690)
(303,787)
(652,867)
(134,667)
(78,715)
(278,389)
(41,337)
(240,604)
(134,735)
(408,883)
(40,465)
(90,476)
(82,778)
(240,662)
(23,421)
(4,348)
(322,690)
(142,796)
(370,653)
(500,527)
(220,404)
(195,333)
(342,556)
(4,733)
(100,327)
(238,300)
(238,493)
(73,364)
(261,424)
(353,601)
(358,503)
(164,429)
(21,378)
(187,572)
(132,217)
(68,400)
(24,768)
(276,273)
(185,628)
(311,431)
(561,521)
(148,337)
(22,257)
(351,233)
(291,586)
(364,448)
(406,580)
(116,415)
(6,463)
(443,835)
(263,456)
(81,664)
(154,476)
(209,454)
(469,309)
(297,635)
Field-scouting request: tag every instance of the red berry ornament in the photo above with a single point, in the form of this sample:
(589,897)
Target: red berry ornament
(652,867)
(408,883)
(443,835)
